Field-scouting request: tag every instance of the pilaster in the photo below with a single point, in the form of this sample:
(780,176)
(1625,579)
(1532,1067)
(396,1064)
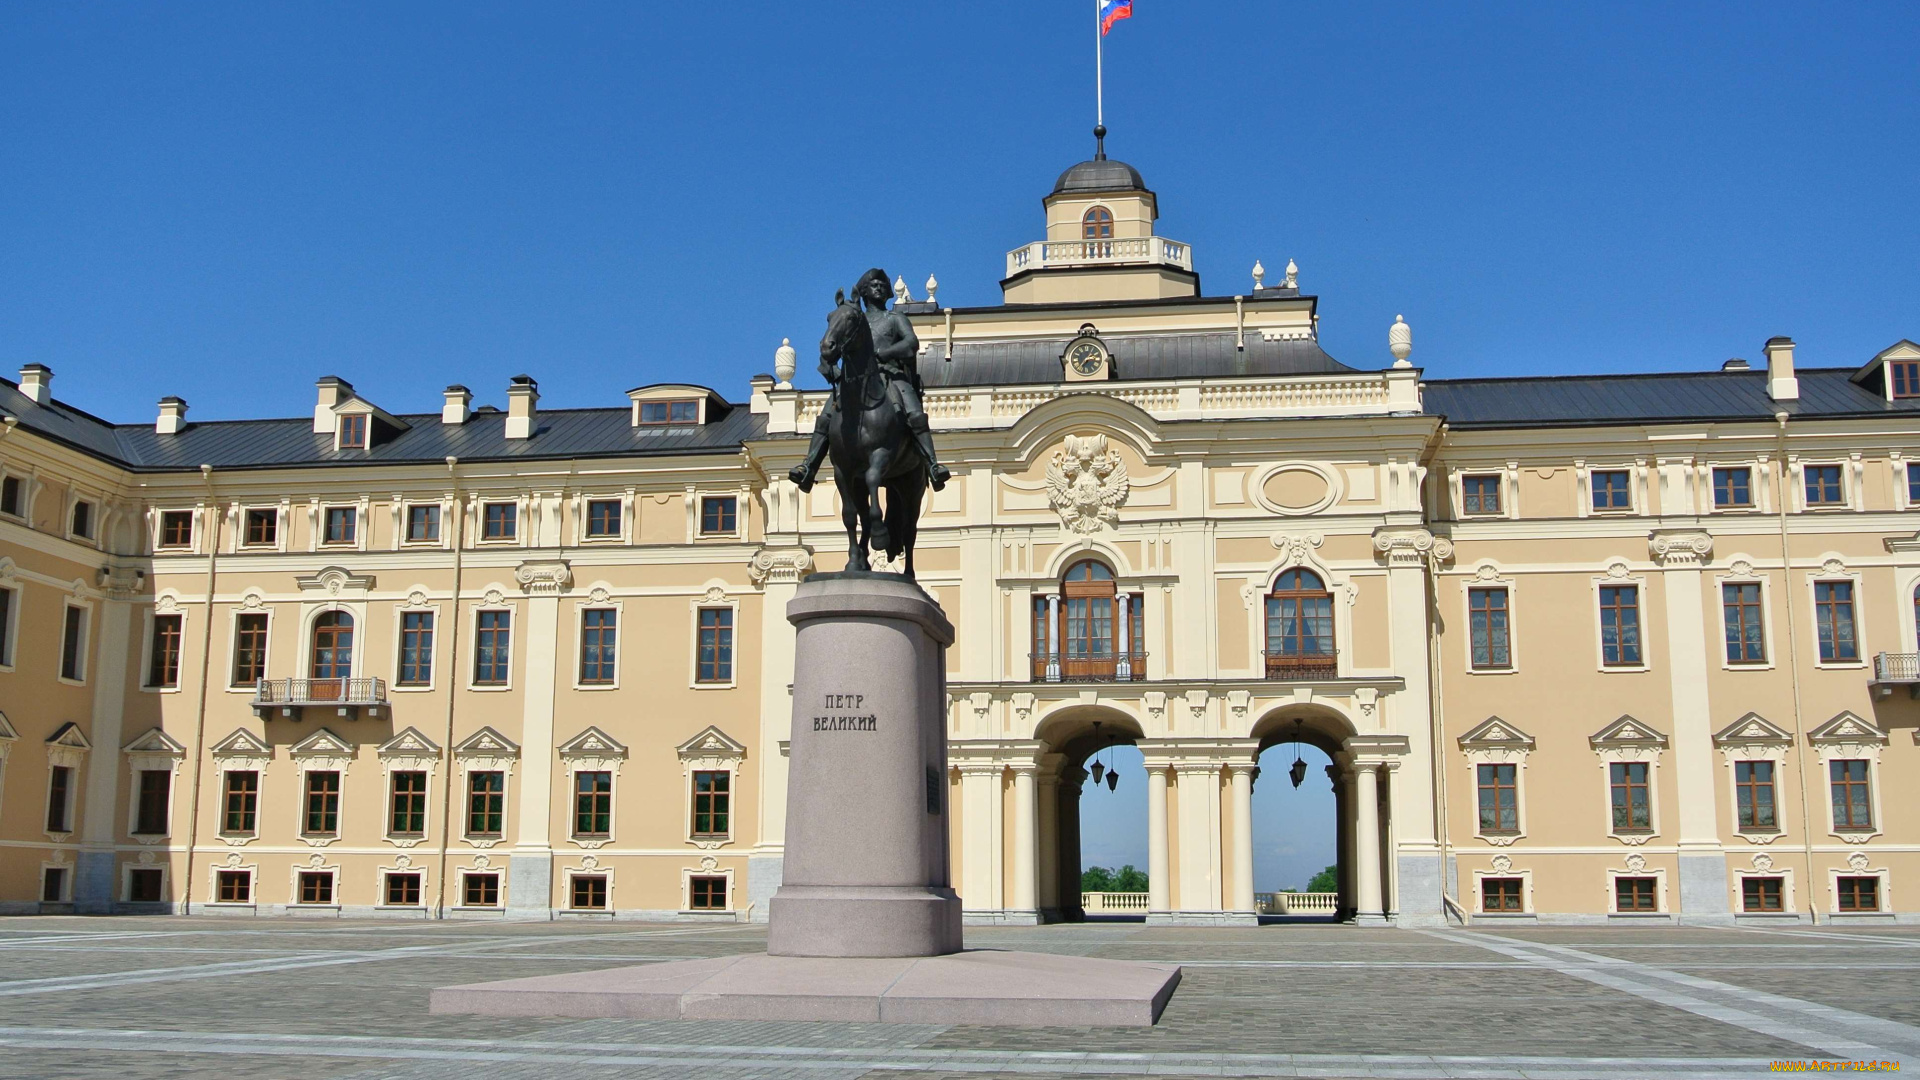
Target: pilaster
(1682,555)
(1412,554)
(778,572)
(94,872)
(530,869)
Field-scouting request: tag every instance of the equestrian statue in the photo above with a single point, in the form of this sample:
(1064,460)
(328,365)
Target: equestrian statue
(873,427)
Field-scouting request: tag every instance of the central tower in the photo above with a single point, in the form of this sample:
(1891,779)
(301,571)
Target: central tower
(1100,242)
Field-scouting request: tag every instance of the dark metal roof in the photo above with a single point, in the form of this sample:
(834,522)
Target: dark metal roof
(1593,400)
(1156,356)
(240,444)
(1100,174)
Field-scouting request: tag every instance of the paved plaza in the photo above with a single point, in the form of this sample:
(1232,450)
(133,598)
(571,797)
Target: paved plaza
(271,998)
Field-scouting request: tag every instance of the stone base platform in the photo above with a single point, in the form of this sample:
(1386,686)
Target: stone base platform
(979,987)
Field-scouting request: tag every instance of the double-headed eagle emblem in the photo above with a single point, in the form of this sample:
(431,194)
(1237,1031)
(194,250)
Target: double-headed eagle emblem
(1087,483)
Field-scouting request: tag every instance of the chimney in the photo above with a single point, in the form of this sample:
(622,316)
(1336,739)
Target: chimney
(333,391)
(1781,384)
(457,408)
(523,394)
(173,416)
(36,382)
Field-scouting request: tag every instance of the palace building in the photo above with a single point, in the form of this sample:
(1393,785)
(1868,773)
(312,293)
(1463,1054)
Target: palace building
(1618,647)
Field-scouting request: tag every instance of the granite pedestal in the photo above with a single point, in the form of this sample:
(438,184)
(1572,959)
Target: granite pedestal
(865,925)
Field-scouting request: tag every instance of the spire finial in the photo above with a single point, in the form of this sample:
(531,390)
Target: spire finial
(1099,142)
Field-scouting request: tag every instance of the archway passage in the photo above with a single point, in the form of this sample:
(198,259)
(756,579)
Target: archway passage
(1093,813)
(1301,844)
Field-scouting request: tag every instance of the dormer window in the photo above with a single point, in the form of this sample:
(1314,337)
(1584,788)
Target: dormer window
(670,412)
(353,431)
(1904,375)
(1097,224)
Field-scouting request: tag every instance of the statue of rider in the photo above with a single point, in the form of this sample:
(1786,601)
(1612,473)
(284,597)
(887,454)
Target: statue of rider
(896,351)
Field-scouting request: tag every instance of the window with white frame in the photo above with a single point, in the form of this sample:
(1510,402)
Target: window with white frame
(73,644)
(1629,753)
(604,519)
(81,524)
(1611,489)
(1834,622)
(1497,753)
(1849,748)
(9,618)
(1620,645)
(1733,487)
(1825,486)
(493,647)
(13,495)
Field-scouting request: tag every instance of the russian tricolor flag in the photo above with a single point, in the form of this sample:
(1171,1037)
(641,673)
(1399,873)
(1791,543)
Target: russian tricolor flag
(1112,11)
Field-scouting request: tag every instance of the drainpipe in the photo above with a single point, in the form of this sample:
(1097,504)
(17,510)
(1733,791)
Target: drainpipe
(453,693)
(1436,711)
(206,671)
(1793,671)
(1240,323)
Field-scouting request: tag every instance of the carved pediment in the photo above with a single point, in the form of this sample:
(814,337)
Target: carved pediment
(409,744)
(711,743)
(321,744)
(69,736)
(1495,733)
(1753,730)
(592,743)
(1627,733)
(242,744)
(155,741)
(1847,729)
(7,734)
(336,581)
(487,743)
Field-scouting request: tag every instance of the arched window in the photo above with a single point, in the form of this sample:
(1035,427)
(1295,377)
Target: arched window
(1300,627)
(332,648)
(1089,631)
(1097,224)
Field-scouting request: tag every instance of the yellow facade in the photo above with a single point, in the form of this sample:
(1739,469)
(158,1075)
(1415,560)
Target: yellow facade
(1508,625)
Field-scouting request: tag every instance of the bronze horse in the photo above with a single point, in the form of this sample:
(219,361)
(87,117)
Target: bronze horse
(869,443)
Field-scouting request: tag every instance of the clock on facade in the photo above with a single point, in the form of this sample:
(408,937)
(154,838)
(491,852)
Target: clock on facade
(1086,359)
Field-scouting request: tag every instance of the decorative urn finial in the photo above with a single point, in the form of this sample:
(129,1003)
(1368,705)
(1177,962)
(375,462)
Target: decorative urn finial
(1259,276)
(783,364)
(1293,276)
(933,289)
(1400,341)
(901,294)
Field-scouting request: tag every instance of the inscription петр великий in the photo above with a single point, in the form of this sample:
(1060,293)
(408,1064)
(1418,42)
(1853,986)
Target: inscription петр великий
(844,703)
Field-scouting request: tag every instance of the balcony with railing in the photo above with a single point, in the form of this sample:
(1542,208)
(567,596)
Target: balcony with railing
(290,697)
(1130,666)
(1293,666)
(1056,254)
(1896,669)
(1297,903)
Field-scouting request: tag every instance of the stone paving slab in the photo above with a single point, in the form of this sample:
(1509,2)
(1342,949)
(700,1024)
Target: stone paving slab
(1277,1001)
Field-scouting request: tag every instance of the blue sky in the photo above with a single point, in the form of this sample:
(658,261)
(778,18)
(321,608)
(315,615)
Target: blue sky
(226,201)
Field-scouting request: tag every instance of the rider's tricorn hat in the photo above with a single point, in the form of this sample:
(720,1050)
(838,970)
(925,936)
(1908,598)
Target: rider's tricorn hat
(875,274)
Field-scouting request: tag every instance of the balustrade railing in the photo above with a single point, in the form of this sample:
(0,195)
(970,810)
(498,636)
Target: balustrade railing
(1896,667)
(1297,903)
(1132,249)
(1299,667)
(1113,667)
(1108,903)
(272,693)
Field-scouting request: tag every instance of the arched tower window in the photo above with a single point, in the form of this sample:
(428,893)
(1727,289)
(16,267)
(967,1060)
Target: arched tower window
(1097,224)
(1300,627)
(332,648)
(1089,631)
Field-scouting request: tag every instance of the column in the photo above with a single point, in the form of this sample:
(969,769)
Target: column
(94,881)
(979,835)
(778,573)
(1047,793)
(1053,637)
(1242,898)
(1123,665)
(1415,853)
(530,866)
(1072,778)
(1025,861)
(1343,837)
(1197,784)
(1366,845)
(1682,555)
(1158,894)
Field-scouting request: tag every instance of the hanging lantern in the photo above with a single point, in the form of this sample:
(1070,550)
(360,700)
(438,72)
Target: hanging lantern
(1113,779)
(1299,770)
(1098,770)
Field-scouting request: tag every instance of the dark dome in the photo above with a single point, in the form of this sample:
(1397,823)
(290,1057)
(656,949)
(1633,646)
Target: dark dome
(1100,174)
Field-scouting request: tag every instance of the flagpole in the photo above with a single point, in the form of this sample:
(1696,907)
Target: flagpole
(1099,74)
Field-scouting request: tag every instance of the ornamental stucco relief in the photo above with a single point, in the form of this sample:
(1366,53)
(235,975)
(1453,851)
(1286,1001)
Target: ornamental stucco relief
(1087,483)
